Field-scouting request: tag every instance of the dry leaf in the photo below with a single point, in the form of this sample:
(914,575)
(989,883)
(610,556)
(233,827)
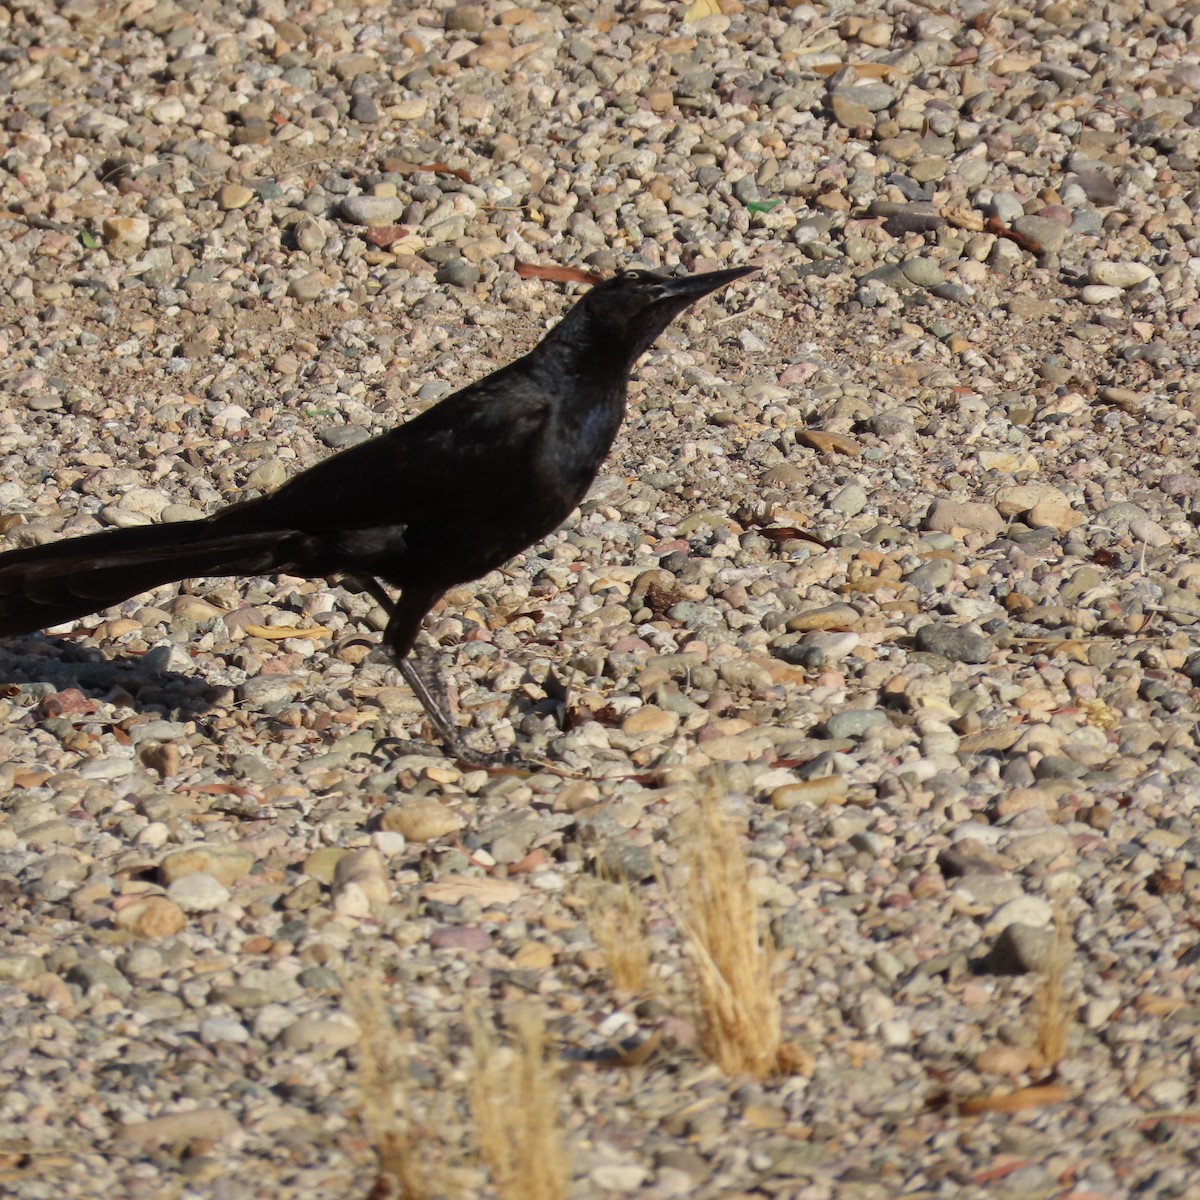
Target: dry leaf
(829,443)
(995,225)
(789,533)
(454,888)
(384,236)
(276,633)
(1011,1102)
(554,274)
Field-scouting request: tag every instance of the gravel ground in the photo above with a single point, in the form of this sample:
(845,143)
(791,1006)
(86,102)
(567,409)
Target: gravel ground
(969,369)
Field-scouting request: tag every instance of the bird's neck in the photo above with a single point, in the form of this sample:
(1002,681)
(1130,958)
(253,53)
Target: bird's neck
(582,347)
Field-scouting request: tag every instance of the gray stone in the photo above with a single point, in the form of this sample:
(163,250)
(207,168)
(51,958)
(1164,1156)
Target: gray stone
(954,642)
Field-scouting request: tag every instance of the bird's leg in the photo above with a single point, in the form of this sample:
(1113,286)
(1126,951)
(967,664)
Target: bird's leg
(404,622)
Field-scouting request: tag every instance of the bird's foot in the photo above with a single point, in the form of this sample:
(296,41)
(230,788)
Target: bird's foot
(498,762)
(389,749)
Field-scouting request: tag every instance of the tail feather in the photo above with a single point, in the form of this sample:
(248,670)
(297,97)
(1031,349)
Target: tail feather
(48,584)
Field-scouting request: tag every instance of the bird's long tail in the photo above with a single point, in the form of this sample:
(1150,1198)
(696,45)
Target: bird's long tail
(59,581)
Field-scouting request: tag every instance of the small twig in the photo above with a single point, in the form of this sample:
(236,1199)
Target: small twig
(37,222)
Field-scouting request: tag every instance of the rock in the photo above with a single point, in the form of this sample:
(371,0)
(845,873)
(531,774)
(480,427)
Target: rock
(948,515)
(208,1124)
(458,273)
(309,286)
(360,884)
(954,642)
(1053,512)
(162,757)
(830,789)
(1051,842)
(126,233)
(466,18)
(372,211)
(168,112)
(322,1033)
(421,820)
(1019,499)
(1010,461)
(1019,950)
(849,501)
(848,112)
(214,1031)
(931,576)
(363,108)
(309,235)
(854,722)
(827,616)
(1047,235)
(153,916)
(1120,275)
(231,196)
(322,864)
(650,720)
(197,892)
(1095,293)
(226,864)
(460,937)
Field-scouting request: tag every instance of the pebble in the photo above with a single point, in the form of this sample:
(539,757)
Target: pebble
(954,642)
(207,1124)
(458,272)
(372,211)
(309,286)
(321,1033)
(1118,274)
(831,789)
(126,233)
(1021,949)
(421,820)
(233,196)
(226,864)
(197,893)
(360,884)
(1098,293)
(946,516)
(1053,512)
(154,916)
(850,500)
(854,723)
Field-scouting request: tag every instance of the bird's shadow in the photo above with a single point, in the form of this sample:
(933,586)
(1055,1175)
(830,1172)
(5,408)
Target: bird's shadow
(143,682)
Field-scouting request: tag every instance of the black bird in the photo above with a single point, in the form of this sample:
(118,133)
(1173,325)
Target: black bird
(437,501)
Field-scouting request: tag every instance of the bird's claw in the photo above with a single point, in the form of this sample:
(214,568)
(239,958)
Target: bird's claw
(388,749)
(499,761)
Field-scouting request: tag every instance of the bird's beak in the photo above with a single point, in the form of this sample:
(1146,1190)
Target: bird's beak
(690,288)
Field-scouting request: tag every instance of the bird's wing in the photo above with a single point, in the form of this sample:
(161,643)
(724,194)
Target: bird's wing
(467,453)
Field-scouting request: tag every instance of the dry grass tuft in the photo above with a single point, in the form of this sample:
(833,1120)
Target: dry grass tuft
(514,1103)
(616,918)
(733,964)
(380,1083)
(1053,1008)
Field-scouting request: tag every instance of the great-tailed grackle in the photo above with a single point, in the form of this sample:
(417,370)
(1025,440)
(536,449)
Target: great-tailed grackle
(437,501)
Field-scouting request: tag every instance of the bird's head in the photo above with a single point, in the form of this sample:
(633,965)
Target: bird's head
(624,314)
